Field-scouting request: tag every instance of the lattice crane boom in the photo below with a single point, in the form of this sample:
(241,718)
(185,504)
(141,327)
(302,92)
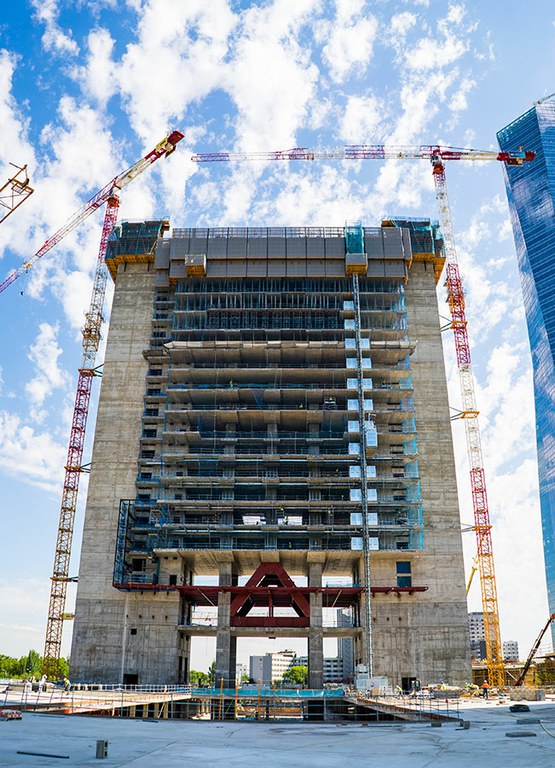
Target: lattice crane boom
(368,152)
(91,341)
(437,155)
(162,149)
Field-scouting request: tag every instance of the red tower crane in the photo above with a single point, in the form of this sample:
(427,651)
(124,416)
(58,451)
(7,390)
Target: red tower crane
(437,155)
(91,340)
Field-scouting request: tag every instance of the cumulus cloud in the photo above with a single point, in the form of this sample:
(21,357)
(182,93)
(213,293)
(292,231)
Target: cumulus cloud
(32,456)
(361,120)
(349,39)
(44,354)
(55,40)
(270,75)
(188,43)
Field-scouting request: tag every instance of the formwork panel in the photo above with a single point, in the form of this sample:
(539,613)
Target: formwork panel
(237,268)
(335,267)
(375,268)
(374,247)
(276,268)
(257,267)
(257,247)
(335,246)
(296,267)
(392,243)
(162,254)
(315,248)
(177,270)
(216,268)
(196,244)
(276,248)
(395,268)
(315,268)
(217,247)
(237,248)
(296,247)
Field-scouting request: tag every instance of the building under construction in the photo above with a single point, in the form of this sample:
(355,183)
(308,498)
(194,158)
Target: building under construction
(273,413)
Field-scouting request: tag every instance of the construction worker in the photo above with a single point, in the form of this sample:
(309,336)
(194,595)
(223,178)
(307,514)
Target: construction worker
(485,689)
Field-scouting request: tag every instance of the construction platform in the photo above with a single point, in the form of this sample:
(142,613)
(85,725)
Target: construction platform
(304,745)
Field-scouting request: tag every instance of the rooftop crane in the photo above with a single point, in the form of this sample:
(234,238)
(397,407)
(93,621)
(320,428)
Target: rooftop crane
(532,653)
(437,155)
(14,192)
(91,340)
(96,201)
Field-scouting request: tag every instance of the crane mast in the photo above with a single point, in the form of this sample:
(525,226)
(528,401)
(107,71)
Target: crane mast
(91,340)
(437,154)
(469,414)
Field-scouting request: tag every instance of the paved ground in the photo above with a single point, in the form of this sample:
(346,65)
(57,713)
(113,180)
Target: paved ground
(164,744)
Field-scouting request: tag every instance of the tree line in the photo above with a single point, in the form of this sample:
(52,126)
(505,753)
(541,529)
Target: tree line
(27,666)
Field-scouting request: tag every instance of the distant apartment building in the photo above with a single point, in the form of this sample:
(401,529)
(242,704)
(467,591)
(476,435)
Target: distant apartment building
(531,195)
(510,650)
(477,639)
(271,666)
(333,668)
(345,647)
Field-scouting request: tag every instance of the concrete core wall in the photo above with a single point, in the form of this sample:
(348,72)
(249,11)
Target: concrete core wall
(103,647)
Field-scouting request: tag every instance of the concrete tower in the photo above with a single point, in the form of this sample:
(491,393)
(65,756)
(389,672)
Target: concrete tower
(273,413)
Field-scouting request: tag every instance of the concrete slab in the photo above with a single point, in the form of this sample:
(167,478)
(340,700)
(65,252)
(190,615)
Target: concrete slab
(144,743)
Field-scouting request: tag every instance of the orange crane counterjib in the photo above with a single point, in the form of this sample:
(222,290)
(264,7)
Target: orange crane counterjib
(370,152)
(162,149)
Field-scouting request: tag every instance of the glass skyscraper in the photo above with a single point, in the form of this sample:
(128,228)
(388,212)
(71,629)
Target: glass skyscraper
(531,191)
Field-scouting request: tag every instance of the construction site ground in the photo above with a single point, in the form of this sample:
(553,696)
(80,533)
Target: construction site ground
(142,743)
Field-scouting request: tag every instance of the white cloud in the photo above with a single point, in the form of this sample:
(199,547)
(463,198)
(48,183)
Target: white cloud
(44,354)
(29,455)
(186,44)
(350,39)
(361,119)
(54,39)
(97,76)
(401,23)
(270,76)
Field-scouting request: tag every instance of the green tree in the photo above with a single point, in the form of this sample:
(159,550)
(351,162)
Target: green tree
(64,668)
(296,675)
(212,674)
(33,664)
(199,679)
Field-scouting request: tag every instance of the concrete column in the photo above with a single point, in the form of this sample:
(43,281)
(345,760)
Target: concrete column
(226,646)
(315,635)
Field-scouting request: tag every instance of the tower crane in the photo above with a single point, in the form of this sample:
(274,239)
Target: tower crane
(14,192)
(109,194)
(437,155)
(162,149)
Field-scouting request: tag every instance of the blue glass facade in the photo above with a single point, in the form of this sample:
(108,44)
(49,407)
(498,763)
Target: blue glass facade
(531,193)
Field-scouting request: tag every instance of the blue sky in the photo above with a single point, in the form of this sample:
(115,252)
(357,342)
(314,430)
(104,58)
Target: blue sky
(87,87)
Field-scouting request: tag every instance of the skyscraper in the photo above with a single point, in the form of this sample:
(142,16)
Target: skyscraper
(531,191)
(273,414)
